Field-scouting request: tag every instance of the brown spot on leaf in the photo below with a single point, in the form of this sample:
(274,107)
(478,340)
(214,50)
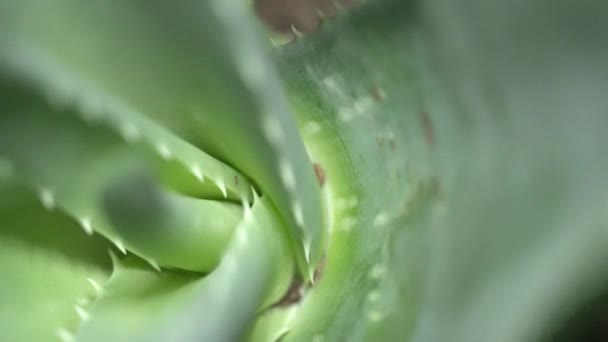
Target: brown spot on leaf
(392,144)
(319,270)
(236,180)
(380,141)
(293,295)
(378,93)
(320,173)
(427,127)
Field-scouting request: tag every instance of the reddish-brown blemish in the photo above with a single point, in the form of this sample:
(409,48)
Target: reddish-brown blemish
(319,270)
(320,173)
(377,93)
(427,127)
(392,144)
(293,295)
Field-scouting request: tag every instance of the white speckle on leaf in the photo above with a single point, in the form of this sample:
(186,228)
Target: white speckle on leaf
(373,296)
(363,104)
(287,174)
(312,127)
(347,203)
(272,129)
(374,316)
(164,151)
(47,199)
(129,132)
(331,84)
(348,223)
(381,219)
(297,213)
(346,114)
(252,70)
(377,271)
(318,338)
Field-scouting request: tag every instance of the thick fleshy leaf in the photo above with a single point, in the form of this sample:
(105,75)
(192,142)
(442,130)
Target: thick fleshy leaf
(197,67)
(110,187)
(358,74)
(142,305)
(49,269)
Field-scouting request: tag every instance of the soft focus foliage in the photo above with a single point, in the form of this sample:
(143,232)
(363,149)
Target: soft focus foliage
(401,171)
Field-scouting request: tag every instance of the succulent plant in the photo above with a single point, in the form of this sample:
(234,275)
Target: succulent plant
(409,171)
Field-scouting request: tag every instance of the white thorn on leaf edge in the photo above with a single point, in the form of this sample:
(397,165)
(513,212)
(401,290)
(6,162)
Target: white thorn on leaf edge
(65,336)
(120,246)
(307,245)
(164,151)
(196,171)
(255,193)
(98,289)
(47,199)
(86,225)
(220,184)
(82,314)
(154,264)
(311,276)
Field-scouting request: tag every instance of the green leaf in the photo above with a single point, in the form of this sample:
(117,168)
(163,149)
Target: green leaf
(50,270)
(196,67)
(142,305)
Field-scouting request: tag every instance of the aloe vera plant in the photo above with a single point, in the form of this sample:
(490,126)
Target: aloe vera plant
(409,171)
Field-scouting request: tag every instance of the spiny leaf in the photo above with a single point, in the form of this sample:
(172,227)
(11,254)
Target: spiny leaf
(373,180)
(140,305)
(47,264)
(80,169)
(222,96)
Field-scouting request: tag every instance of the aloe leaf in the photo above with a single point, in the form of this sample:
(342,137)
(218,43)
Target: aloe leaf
(342,82)
(49,268)
(142,305)
(229,76)
(93,173)
(522,245)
